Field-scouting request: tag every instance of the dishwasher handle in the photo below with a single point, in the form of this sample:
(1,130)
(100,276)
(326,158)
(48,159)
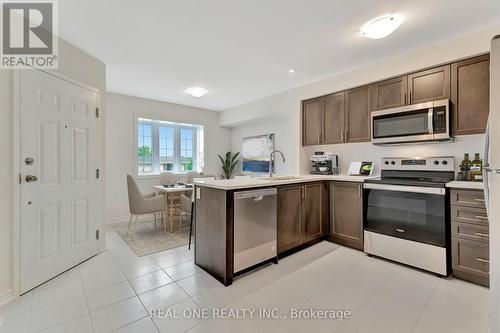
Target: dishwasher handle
(256,195)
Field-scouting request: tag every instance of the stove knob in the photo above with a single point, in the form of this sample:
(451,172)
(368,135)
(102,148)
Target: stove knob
(386,162)
(444,162)
(393,163)
(436,162)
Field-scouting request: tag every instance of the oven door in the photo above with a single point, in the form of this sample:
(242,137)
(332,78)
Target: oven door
(408,212)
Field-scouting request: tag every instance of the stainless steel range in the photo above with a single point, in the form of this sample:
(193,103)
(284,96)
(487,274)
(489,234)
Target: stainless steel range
(406,212)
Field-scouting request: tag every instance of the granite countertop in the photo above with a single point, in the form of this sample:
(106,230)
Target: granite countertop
(466,185)
(236,184)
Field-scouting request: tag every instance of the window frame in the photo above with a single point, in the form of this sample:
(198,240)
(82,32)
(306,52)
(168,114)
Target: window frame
(156,122)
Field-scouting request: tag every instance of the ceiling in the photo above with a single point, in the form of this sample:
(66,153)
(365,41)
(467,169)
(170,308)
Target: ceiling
(241,50)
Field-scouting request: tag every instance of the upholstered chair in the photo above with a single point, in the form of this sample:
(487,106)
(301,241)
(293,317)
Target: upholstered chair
(142,204)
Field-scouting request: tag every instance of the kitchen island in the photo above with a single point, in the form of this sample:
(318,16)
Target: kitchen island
(303,216)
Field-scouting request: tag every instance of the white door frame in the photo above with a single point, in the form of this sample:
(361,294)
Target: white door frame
(16,165)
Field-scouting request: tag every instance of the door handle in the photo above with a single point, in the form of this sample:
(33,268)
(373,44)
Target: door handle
(483,260)
(30,178)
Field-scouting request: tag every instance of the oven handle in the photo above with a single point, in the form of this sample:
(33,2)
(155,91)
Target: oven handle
(410,189)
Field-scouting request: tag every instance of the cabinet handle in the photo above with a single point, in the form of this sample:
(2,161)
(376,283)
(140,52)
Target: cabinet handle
(405,100)
(481,217)
(480,234)
(483,260)
(400,230)
(346,136)
(318,138)
(305,192)
(410,99)
(480,200)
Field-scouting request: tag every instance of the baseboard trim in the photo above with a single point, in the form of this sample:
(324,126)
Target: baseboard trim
(6,296)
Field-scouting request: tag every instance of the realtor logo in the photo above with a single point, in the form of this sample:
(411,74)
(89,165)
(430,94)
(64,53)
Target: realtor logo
(29,35)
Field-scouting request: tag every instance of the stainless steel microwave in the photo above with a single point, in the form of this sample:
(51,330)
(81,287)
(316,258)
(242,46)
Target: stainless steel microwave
(413,123)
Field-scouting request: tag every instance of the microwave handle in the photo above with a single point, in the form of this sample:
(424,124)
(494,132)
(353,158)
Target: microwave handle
(430,120)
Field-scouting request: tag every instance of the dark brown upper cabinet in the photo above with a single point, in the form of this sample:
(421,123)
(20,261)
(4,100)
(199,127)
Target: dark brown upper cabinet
(357,115)
(470,95)
(312,114)
(389,93)
(333,118)
(429,85)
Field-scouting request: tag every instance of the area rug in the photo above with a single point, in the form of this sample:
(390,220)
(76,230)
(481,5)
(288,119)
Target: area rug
(149,240)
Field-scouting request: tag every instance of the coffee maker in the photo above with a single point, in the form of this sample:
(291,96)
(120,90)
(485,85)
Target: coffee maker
(324,163)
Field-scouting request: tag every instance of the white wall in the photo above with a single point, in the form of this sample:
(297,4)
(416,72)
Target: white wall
(120,148)
(280,114)
(73,63)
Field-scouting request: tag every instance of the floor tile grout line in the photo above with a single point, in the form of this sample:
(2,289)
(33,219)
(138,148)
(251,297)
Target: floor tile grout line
(86,302)
(425,306)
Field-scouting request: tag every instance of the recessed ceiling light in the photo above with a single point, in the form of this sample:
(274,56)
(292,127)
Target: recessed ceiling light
(196,91)
(291,70)
(381,27)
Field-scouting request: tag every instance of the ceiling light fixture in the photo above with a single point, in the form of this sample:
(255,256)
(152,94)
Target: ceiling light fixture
(291,71)
(197,91)
(381,27)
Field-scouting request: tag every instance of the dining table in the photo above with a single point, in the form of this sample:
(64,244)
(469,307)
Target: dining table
(170,191)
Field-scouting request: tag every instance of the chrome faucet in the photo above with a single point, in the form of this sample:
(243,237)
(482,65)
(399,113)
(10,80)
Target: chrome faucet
(271,161)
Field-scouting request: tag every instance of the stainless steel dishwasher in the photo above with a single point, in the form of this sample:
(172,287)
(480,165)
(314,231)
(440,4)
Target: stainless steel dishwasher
(254,227)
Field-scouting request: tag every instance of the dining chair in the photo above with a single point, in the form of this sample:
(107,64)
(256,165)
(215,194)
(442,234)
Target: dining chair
(187,206)
(168,178)
(142,204)
(191,175)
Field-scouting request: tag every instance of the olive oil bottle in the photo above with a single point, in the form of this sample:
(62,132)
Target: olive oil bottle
(465,167)
(476,170)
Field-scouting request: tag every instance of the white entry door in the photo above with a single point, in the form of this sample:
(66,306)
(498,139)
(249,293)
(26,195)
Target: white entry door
(60,206)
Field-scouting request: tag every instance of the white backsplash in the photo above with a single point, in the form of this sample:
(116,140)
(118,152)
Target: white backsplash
(367,152)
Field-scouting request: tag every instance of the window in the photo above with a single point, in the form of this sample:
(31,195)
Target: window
(167,146)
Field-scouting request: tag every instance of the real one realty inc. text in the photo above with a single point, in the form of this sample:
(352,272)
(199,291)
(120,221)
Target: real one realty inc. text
(249,313)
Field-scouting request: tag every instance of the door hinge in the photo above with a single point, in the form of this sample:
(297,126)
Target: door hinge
(97,112)
(97,173)
(97,235)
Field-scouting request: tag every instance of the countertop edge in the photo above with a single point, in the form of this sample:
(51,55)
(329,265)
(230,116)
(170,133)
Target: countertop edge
(266,183)
(467,185)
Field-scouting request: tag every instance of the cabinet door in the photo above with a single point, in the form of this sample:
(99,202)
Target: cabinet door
(429,85)
(333,117)
(289,217)
(357,115)
(314,212)
(470,95)
(311,121)
(346,214)
(389,93)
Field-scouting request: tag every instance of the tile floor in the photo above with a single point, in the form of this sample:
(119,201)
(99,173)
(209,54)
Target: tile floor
(114,292)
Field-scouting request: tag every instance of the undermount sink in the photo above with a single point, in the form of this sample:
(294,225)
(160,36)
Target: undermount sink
(280,178)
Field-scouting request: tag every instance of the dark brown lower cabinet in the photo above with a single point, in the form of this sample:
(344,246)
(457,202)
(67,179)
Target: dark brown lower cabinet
(471,260)
(302,214)
(346,214)
(470,237)
(289,217)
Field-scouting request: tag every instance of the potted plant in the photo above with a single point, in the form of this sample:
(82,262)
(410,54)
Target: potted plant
(229,163)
